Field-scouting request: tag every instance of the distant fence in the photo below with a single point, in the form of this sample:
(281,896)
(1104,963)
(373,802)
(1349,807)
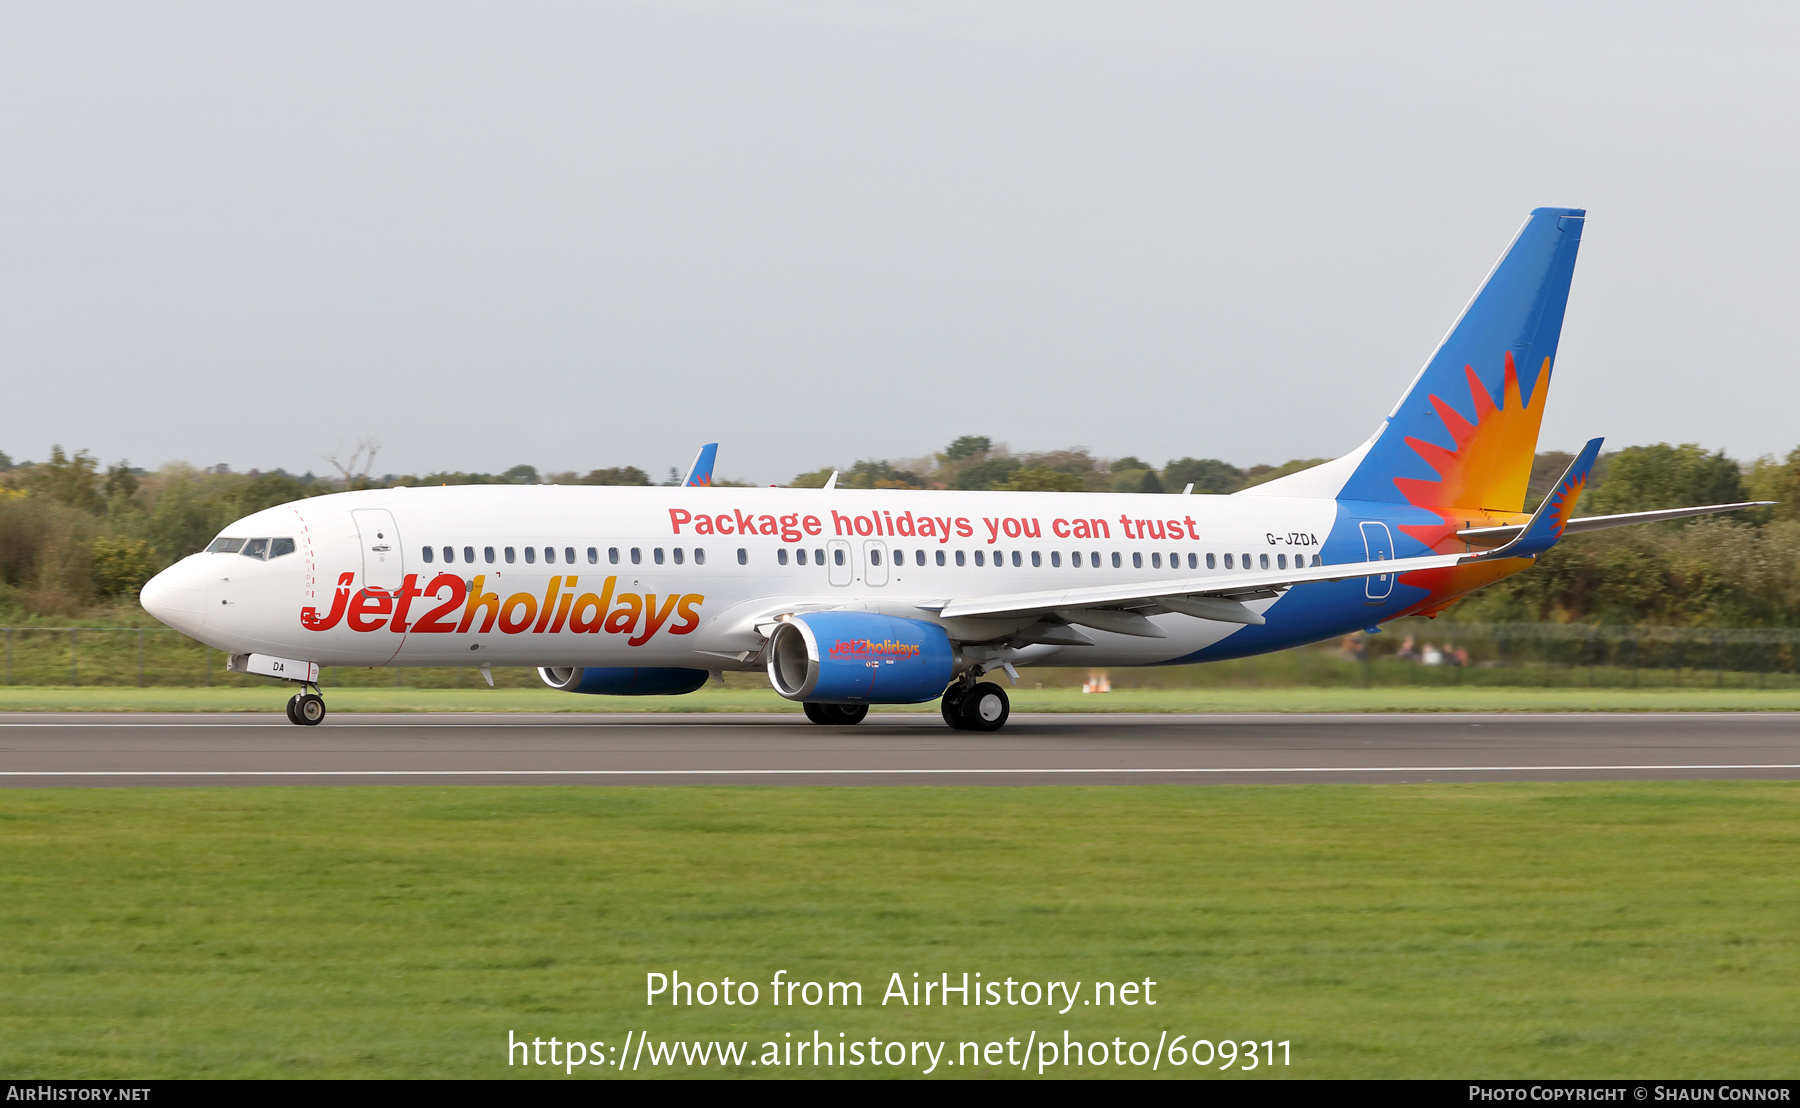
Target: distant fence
(1571,653)
(1440,652)
(161,656)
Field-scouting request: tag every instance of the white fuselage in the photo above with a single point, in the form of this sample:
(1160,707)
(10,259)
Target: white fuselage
(681,577)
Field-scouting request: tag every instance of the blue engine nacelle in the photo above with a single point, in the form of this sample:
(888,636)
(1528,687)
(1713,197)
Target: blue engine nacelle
(624,681)
(859,658)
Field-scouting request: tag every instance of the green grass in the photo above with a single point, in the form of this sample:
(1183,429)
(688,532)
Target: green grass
(1024,699)
(1586,930)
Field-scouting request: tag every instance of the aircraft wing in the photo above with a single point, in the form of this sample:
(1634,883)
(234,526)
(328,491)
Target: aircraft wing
(1221,597)
(1225,591)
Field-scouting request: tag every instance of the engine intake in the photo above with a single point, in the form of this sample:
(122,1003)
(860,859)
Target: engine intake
(859,658)
(623,681)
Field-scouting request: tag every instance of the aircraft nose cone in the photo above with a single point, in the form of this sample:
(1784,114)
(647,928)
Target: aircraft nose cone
(177,597)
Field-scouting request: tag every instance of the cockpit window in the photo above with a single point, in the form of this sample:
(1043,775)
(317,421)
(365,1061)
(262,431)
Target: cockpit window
(252,548)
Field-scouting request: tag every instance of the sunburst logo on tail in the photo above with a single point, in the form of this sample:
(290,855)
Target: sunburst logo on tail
(1486,473)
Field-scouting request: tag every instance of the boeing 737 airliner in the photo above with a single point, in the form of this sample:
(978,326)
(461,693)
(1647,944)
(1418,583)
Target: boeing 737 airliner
(849,598)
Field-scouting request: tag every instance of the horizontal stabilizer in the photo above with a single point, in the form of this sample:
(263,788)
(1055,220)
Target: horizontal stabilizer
(1498,536)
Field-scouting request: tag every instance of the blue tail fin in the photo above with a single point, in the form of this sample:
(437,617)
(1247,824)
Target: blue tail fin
(1465,432)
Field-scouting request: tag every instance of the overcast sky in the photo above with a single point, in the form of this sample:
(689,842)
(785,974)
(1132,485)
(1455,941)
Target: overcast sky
(594,234)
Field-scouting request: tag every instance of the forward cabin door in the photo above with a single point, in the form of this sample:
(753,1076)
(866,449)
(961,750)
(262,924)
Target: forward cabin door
(840,568)
(1378,544)
(383,560)
(875,556)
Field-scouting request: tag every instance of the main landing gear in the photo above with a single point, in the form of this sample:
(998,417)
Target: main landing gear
(842,714)
(972,705)
(306,708)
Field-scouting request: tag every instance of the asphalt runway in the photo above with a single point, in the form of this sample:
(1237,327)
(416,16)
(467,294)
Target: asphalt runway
(889,749)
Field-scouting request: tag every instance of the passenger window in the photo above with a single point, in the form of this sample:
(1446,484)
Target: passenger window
(1116,563)
(1174,560)
(1094,559)
(1137,560)
(612,555)
(593,555)
(469,555)
(780,555)
(1075,558)
(919,557)
(1156,561)
(818,557)
(1281,561)
(1056,559)
(699,556)
(278,547)
(743,556)
(549,556)
(1246,561)
(1193,561)
(837,556)
(1016,562)
(800,556)
(1264,559)
(959,557)
(1037,560)
(449,554)
(637,555)
(569,555)
(1315,559)
(656,555)
(679,556)
(531,555)
(487,555)
(874,557)
(225,546)
(425,553)
(940,557)
(978,556)
(1209,562)
(1227,561)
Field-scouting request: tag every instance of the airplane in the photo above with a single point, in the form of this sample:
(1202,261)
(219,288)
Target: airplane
(853,597)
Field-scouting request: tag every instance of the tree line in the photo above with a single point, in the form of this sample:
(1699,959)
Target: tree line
(78,538)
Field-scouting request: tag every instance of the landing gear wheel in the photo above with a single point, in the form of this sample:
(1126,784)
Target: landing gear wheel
(985,708)
(840,714)
(951,706)
(293,702)
(309,710)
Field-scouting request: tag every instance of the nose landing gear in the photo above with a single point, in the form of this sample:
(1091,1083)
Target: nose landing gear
(306,708)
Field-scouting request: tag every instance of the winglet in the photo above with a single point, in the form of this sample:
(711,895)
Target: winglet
(831,482)
(1547,523)
(699,474)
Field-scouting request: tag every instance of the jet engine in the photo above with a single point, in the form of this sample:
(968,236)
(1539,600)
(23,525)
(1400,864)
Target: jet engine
(623,681)
(859,658)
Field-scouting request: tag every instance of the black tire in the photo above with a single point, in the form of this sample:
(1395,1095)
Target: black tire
(985,708)
(951,706)
(293,701)
(851,714)
(310,709)
(819,713)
